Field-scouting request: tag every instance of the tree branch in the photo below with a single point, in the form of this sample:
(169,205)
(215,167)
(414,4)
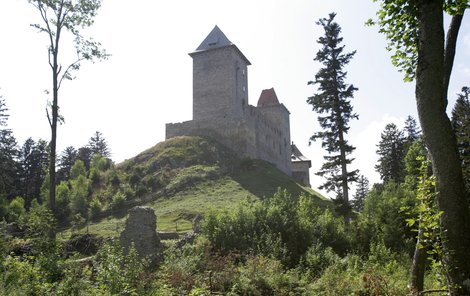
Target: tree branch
(449,53)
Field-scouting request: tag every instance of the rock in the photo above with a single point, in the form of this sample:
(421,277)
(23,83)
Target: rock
(140,230)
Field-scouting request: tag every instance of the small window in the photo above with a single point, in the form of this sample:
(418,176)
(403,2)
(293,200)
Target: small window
(244,88)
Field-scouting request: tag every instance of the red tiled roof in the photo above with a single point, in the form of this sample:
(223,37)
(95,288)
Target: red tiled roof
(268,98)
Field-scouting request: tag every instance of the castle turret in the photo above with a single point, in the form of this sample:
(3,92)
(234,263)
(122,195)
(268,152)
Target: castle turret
(220,78)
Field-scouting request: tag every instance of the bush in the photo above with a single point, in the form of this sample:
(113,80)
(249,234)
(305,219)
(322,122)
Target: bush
(16,210)
(117,273)
(119,200)
(281,226)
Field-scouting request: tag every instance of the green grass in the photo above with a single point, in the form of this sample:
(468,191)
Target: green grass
(200,175)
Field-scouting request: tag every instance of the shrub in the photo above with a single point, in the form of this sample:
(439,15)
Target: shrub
(16,210)
(119,200)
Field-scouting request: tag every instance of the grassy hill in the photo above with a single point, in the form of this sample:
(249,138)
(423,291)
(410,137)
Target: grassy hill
(186,176)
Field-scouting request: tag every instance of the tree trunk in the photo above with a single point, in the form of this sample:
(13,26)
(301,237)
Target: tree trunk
(419,265)
(440,140)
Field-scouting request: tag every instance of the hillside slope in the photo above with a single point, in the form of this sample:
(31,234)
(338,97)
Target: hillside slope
(186,176)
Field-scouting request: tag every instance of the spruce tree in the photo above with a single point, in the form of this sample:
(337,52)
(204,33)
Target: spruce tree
(461,125)
(362,188)
(333,100)
(391,152)
(98,145)
(8,154)
(412,131)
(66,160)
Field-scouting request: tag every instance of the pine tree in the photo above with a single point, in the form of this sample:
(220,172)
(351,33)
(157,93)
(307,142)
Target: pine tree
(391,151)
(461,125)
(332,99)
(98,145)
(8,154)
(362,188)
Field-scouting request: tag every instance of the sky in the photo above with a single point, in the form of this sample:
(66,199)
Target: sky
(147,81)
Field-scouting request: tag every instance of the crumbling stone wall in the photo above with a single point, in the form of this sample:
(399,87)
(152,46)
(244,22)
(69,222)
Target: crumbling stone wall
(140,231)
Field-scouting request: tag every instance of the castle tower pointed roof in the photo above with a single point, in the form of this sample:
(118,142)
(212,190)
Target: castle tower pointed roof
(215,39)
(268,97)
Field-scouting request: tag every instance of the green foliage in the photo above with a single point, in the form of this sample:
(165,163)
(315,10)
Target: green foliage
(21,277)
(98,146)
(78,169)
(362,188)
(426,215)
(264,276)
(76,279)
(80,191)
(8,153)
(383,218)
(280,226)
(391,152)
(332,98)
(63,196)
(95,207)
(16,210)
(118,201)
(119,273)
(318,258)
(413,161)
(461,126)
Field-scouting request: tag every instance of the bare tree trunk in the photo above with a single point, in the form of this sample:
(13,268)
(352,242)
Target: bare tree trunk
(440,140)
(419,265)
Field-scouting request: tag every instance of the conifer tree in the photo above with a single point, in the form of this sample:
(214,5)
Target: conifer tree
(412,131)
(461,125)
(333,99)
(8,153)
(362,188)
(391,152)
(98,145)
(33,160)
(66,160)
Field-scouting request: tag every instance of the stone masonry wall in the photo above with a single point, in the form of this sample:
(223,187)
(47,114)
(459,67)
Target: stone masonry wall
(255,135)
(219,83)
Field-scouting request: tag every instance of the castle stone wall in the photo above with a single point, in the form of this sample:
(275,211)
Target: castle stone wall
(254,135)
(219,83)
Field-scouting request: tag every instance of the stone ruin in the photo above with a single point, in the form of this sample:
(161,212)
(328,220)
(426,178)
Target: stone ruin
(140,230)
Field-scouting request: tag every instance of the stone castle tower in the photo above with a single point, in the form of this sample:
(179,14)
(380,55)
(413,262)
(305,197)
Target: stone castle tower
(221,110)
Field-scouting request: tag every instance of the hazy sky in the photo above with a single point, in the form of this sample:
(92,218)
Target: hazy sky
(147,81)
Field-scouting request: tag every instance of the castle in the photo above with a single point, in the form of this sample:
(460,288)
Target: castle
(221,110)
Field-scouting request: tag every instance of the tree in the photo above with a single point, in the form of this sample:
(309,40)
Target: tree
(391,151)
(33,162)
(412,132)
(66,160)
(85,154)
(415,30)
(461,124)
(57,18)
(98,145)
(8,154)
(362,188)
(333,99)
